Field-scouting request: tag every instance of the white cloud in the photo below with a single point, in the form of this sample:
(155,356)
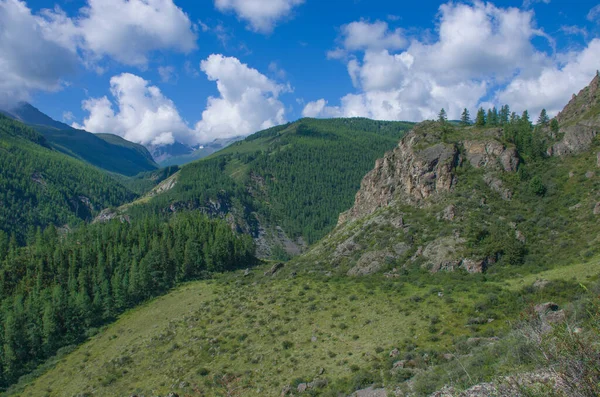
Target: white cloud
(127,30)
(594,14)
(143,114)
(167,73)
(479,49)
(262,15)
(529,3)
(314,109)
(139,112)
(68,116)
(248,100)
(553,87)
(33,52)
(37,51)
(362,35)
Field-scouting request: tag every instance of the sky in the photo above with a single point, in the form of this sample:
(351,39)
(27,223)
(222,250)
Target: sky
(160,71)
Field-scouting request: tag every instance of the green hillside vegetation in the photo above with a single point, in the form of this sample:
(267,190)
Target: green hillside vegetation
(253,335)
(109,152)
(59,289)
(540,216)
(41,187)
(298,176)
(144,182)
(106,151)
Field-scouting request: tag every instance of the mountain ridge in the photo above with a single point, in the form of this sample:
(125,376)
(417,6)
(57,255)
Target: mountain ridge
(106,151)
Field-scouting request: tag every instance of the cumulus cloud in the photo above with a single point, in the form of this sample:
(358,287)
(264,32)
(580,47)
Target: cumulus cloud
(247,102)
(481,53)
(363,35)
(554,85)
(138,112)
(262,15)
(127,30)
(33,52)
(38,51)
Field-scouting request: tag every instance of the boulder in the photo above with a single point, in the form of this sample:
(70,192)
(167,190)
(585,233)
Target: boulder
(274,269)
(370,262)
(395,353)
(597,209)
(302,387)
(449,213)
(545,308)
(496,185)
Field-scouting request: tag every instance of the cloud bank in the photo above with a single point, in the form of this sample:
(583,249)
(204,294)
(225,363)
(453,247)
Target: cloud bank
(139,112)
(127,31)
(482,54)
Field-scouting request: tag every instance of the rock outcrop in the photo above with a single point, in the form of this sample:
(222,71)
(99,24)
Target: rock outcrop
(578,122)
(413,171)
(491,154)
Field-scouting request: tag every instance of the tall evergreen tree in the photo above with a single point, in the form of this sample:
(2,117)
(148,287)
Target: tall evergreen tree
(543,120)
(554,127)
(504,115)
(480,120)
(442,116)
(465,118)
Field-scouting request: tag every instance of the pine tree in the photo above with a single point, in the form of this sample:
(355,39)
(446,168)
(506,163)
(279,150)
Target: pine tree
(504,116)
(543,120)
(442,116)
(480,120)
(465,118)
(554,127)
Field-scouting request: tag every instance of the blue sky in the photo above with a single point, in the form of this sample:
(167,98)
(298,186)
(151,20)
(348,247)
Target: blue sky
(277,60)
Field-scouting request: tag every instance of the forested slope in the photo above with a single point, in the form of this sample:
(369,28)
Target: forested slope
(40,187)
(298,177)
(106,151)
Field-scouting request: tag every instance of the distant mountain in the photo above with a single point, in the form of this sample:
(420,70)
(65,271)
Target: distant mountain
(200,152)
(40,186)
(162,154)
(106,151)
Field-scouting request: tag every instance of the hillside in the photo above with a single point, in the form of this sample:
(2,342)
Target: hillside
(106,151)
(257,335)
(285,186)
(41,187)
(484,199)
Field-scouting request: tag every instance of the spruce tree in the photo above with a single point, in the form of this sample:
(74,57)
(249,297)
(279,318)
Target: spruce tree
(554,127)
(480,120)
(442,116)
(543,120)
(465,118)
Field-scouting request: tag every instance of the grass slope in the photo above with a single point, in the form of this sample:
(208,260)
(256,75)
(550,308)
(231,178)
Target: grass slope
(251,336)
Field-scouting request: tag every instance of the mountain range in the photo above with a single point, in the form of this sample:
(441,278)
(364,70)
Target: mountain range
(332,257)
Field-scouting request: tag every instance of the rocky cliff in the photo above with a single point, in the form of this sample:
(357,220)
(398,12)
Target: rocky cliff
(579,121)
(451,197)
